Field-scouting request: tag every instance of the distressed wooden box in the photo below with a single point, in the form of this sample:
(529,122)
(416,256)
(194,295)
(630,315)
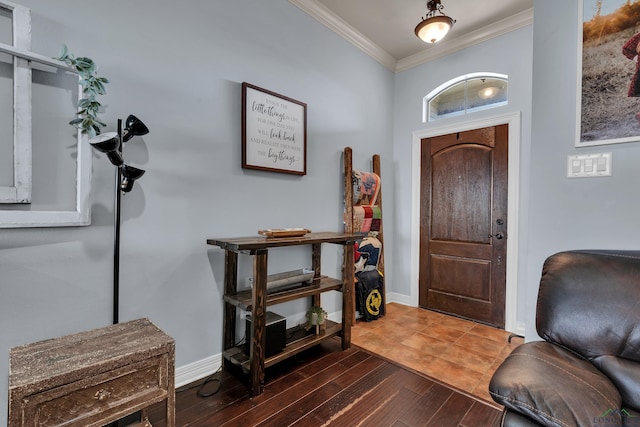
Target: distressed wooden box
(92,378)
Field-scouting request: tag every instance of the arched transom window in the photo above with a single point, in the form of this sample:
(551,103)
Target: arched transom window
(466,94)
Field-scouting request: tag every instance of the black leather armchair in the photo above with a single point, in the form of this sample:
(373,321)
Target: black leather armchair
(586,372)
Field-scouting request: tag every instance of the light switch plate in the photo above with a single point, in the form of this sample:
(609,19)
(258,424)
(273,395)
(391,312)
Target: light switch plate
(589,165)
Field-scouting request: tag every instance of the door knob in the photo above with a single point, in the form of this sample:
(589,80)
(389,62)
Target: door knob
(498,236)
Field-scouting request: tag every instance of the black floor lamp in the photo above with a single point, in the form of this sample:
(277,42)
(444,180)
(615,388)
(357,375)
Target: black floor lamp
(110,143)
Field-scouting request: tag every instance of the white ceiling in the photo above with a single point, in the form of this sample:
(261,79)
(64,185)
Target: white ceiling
(389,24)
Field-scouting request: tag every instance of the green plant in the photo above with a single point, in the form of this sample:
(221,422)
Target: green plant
(316,316)
(92,86)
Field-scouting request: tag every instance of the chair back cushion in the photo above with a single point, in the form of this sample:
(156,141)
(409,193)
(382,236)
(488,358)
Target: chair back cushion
(589,303)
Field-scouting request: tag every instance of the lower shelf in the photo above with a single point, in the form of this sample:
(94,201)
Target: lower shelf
(239,357)
(244,299)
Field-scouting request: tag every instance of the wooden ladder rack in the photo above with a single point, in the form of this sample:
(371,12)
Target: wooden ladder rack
(348,201)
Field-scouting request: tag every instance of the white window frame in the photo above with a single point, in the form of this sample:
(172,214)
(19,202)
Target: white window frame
(427,99)
(22,152)
(20,192)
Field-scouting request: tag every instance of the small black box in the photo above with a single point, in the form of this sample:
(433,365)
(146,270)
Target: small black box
(275,335)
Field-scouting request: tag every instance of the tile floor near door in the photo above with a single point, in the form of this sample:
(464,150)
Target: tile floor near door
(457,352)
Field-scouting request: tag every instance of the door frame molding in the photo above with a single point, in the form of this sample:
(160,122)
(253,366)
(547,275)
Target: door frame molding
(513,194)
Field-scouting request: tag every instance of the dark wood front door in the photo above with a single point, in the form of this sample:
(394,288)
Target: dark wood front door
(463,224)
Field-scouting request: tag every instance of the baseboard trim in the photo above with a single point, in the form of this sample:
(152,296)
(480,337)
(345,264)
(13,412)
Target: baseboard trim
(399,298)
(519,329)
(199,369)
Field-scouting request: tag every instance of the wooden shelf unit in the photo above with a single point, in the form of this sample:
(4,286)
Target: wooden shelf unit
(257,300)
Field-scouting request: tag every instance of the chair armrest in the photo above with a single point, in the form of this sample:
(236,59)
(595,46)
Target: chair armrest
(554,386)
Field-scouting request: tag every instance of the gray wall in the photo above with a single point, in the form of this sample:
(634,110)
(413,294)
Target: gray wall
(590,213)
(179,66)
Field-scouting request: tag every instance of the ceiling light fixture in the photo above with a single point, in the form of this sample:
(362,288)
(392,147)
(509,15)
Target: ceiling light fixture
(434,27)
(488,92)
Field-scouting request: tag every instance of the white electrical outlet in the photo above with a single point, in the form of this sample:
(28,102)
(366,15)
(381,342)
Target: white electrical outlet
(589,165)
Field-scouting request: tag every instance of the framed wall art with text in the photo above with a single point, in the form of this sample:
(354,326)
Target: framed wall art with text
(274,131)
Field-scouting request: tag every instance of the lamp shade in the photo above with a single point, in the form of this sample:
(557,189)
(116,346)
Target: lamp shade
(133,126)
(108,143)
(434,28)
(129,175)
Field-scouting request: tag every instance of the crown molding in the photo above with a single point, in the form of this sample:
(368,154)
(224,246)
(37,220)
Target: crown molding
(329,19)
(449,46)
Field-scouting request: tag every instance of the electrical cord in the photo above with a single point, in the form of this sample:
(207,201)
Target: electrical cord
(210,378)
(214,378)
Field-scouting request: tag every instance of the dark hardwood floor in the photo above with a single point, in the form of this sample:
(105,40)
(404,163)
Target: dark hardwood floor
(326,386)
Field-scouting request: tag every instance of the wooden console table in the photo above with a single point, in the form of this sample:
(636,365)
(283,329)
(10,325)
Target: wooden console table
(257,299)
(92,378)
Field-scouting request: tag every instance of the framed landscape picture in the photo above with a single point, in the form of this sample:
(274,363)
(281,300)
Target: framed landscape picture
(609,72)
(274,131)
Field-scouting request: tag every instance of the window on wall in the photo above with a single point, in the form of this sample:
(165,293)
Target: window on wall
(466,94)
